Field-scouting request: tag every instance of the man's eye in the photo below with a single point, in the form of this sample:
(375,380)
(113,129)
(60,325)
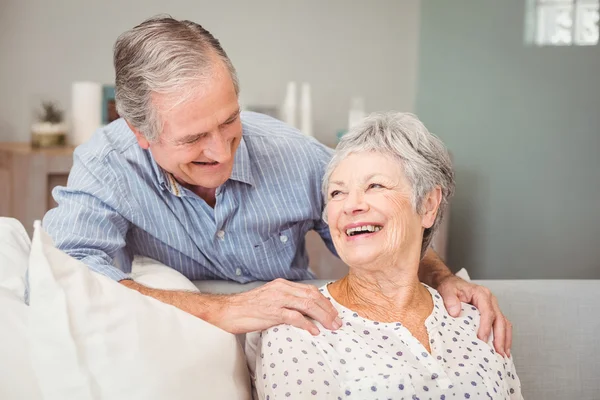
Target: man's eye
(231,121)
(192,140)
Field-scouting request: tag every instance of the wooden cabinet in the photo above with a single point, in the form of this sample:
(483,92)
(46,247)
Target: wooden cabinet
(27,177)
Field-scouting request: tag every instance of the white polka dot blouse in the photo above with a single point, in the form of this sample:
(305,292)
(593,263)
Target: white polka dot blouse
(374,360)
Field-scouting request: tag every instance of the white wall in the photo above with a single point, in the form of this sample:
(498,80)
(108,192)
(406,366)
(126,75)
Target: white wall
(341,47)
(523,124)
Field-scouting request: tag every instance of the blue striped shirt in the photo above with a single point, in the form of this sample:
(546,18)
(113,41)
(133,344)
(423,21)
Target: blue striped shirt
(119,203)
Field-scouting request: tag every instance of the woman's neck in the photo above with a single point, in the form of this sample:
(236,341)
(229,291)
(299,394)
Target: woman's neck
(384,297)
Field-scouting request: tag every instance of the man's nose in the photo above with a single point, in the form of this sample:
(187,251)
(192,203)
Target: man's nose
(218,149)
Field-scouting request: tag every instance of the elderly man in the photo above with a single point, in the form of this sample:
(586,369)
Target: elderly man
(186,179)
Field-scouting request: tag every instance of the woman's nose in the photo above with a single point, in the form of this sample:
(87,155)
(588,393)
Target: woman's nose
(218,148)
(355,202)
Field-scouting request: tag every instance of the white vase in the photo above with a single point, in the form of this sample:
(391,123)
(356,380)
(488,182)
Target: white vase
(86,111)
(288,111)
(357,111)
(306,124)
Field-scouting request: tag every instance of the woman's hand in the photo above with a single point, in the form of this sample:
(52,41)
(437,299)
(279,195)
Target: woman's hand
(455,290)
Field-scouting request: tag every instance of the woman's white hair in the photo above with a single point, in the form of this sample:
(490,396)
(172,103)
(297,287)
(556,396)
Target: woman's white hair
(164,56)
(424,158)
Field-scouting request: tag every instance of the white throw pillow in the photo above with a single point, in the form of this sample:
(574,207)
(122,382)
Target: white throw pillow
(17,380)
(14,255)
(93,338)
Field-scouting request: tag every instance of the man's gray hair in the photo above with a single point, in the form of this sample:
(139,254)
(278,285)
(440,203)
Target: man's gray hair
(424,158)
(162,56)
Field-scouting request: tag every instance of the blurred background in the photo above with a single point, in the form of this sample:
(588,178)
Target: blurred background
(512,87)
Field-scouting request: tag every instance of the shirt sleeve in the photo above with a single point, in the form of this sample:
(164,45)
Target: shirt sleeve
(288,365)
(323,155)
(86,225)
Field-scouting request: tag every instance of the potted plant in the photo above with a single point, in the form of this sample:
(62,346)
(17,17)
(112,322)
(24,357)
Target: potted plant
(50,130)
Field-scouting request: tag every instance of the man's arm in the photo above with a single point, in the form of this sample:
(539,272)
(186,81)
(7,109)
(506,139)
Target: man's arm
(432,269)
(201,305)
(87,224)
(275,303)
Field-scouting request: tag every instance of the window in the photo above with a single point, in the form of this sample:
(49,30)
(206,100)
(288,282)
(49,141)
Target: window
(562,22)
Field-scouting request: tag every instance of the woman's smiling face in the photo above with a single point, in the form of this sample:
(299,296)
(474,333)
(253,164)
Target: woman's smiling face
(369,211)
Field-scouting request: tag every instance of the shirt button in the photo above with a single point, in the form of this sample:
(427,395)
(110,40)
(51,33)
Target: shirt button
(238,272)
(283,238)
(221,235)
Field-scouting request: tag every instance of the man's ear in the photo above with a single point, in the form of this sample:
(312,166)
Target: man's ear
(141,139)
(430,207)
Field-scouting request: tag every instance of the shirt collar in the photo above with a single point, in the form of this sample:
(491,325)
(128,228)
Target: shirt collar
(242,170)
(161,175)
(242,165)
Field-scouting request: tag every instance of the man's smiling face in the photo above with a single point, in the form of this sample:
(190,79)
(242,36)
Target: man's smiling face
(199,137)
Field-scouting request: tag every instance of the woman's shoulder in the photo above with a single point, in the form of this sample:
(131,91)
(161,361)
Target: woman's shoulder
(273,343)
(285,338)
(285,331)
(469,314)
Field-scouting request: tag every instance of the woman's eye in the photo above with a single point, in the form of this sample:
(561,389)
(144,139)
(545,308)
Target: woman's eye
(334,193)
(375,186)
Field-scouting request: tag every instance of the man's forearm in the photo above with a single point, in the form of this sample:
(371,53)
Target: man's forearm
(432,269)
(204,306)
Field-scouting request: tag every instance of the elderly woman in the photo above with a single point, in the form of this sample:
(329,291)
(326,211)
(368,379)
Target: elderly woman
(386,187)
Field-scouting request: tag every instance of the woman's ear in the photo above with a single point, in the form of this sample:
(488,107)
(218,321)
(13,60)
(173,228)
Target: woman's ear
(430,207)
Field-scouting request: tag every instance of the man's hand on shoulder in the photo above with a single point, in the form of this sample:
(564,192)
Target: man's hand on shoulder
(455,290)
(278,302)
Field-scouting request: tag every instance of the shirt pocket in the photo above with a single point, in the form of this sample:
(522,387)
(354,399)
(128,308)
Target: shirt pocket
(282,244)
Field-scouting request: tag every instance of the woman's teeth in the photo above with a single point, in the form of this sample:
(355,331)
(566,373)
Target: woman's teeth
(363,229)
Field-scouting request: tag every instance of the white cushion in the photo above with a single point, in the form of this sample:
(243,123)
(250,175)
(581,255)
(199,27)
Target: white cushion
(17,379)
(463,274)
(14,255)
(93,338)
(153,274)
